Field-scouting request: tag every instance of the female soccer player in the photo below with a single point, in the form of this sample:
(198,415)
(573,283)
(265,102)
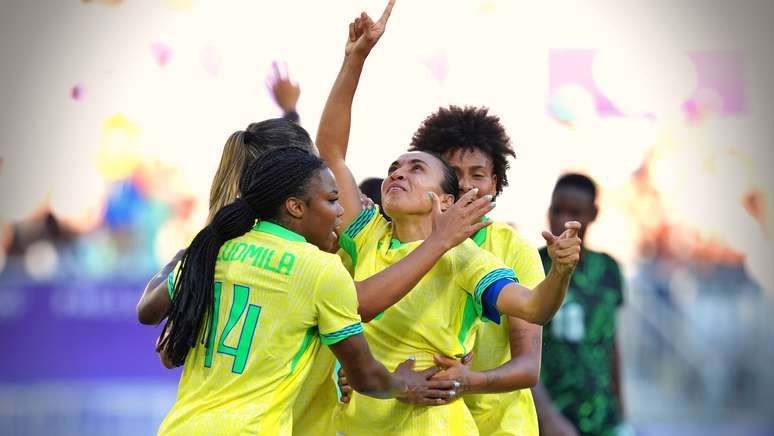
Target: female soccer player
(318,399)
(465,285)
(251,301)
(506,357)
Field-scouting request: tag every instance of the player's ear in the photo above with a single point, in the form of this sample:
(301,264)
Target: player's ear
(594,212)
(295,207)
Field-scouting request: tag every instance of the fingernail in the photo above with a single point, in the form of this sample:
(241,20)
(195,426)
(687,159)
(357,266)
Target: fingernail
(494,204)
(412,357)
(475,190)
(489,197)
(430,194)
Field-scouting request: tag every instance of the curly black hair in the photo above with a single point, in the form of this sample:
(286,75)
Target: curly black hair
(468,128)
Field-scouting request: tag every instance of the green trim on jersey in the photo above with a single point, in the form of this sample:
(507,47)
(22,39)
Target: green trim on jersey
(363,218)
(278,230)
(348,245)
(469,316)
(310,334)
(338,336)
(171,284)
(480,237)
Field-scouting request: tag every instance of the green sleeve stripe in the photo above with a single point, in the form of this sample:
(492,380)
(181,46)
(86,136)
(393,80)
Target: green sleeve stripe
(310,334)
(171,284)
(360,221)
(493,276)
(357,328)
(348,245)
(338,336)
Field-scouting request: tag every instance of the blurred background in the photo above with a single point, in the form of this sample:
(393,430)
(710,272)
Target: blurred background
(114,115)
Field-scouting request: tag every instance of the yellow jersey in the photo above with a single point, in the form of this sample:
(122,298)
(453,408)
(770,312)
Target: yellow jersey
(275,299)
(509,413)
(315,404)
(439,316)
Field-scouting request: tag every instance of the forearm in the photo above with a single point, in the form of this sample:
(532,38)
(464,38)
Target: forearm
(154,302)
(333,135)
(549,294)
(511,376)
(522,371)
(382,290)
(537,306)
(364,373)
(333,132)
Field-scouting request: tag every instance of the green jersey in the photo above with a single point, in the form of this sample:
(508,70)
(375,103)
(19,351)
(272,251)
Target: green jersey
(578,345)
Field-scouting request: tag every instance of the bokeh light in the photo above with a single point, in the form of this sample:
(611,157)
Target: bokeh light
(41,260)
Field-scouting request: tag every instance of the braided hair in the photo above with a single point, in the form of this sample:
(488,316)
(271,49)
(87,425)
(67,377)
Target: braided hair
(273,177)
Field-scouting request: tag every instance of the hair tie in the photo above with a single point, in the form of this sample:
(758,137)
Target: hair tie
(247,207)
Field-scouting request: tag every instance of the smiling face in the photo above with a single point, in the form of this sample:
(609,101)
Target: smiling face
(321,212)
(474,170)
(409,179)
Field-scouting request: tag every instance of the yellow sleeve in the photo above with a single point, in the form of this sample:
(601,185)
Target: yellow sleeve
(525,261)
(336,302)
(360,230)
(475,269)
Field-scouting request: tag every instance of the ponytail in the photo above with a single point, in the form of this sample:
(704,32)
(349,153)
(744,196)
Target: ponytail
(272,178)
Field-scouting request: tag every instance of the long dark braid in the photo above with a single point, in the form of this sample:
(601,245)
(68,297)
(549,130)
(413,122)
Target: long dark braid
(267,182)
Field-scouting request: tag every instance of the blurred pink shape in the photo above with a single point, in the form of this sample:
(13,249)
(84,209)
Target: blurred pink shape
(211,60)
(161,52)
(76,92)
(438,65)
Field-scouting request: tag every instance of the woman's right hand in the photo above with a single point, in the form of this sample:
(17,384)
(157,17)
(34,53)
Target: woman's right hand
(419,388)
(364,33)
(461,220)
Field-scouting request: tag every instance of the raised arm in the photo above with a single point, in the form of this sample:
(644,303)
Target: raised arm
(538,306)
(333,132)
(284,91)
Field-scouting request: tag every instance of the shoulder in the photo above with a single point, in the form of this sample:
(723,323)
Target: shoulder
(368,217)
(505,235)
(607,260)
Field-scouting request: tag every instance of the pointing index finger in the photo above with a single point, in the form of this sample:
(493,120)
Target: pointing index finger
(387,11)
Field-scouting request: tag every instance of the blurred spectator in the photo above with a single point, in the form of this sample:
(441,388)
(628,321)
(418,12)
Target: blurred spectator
(285,91)
(580,391)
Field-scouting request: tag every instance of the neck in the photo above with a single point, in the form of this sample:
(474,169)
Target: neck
(288,223)
(412,228)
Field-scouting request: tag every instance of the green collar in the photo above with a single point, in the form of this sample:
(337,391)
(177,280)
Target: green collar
(480,237)
(278,230)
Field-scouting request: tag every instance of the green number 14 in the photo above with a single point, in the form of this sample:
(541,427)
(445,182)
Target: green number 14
(238,305)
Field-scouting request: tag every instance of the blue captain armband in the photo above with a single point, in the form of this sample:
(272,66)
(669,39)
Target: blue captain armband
(489,299)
